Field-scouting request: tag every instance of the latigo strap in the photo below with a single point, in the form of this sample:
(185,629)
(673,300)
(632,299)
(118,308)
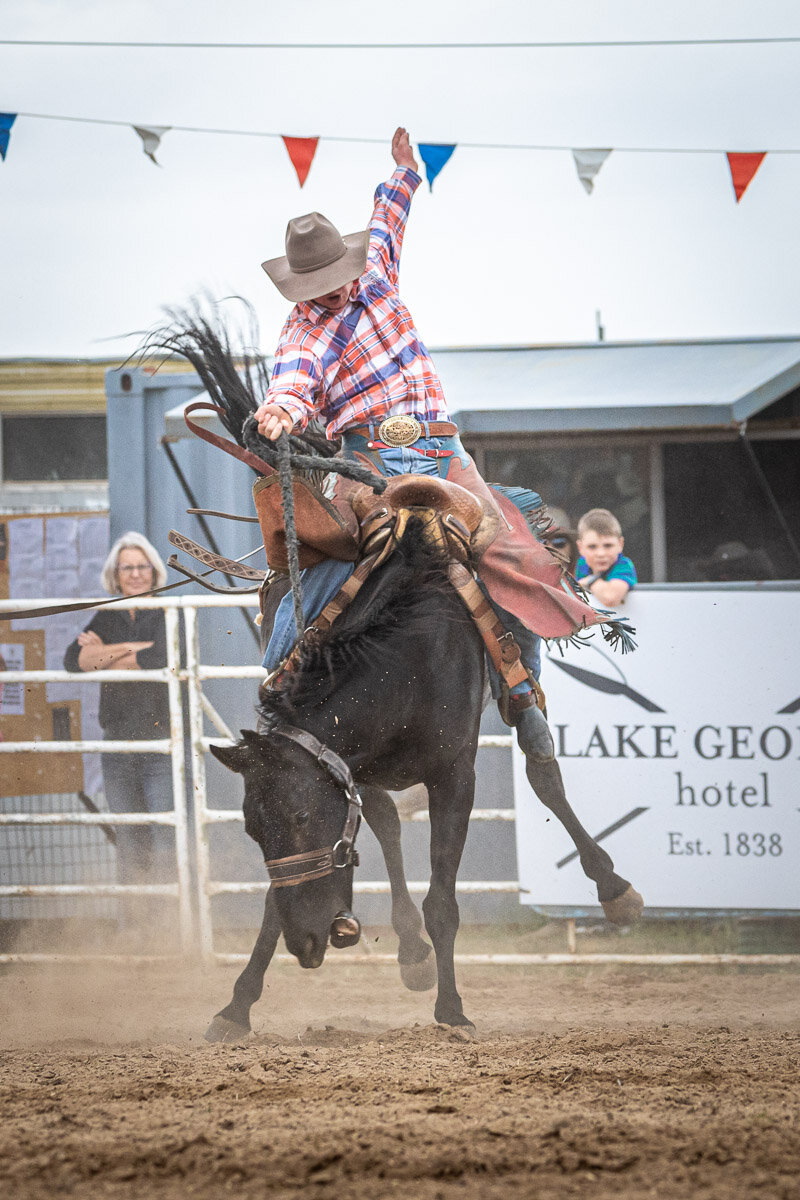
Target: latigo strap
(217,562)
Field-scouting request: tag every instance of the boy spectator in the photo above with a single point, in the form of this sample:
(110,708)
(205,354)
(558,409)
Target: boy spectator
(602,567)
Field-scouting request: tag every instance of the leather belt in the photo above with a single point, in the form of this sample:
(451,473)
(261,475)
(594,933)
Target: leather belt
(409,430)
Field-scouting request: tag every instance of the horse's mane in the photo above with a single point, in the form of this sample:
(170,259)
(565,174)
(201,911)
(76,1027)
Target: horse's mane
(399,604)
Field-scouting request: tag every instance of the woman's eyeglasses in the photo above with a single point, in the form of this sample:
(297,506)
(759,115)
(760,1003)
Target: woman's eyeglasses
(132,570)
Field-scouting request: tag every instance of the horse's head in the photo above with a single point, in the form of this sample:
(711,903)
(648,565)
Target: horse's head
(296,813)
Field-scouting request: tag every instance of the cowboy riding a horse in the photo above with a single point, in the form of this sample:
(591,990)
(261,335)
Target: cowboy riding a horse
(416,572)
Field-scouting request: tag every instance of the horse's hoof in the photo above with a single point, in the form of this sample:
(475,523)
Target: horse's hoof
(223,1030)
(458,1033)
(420,976)
(625,909)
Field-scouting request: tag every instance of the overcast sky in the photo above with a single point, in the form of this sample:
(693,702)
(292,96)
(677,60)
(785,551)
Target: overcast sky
(508,249)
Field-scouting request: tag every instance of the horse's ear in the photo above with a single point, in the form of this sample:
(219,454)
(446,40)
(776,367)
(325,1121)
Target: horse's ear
(235,758)
(251,737)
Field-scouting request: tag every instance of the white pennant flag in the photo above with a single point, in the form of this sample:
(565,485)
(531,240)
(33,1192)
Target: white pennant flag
(587,164)
(151,136)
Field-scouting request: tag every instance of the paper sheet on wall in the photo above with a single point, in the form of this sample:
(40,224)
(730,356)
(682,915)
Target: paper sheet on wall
(61,542)
(12,695)
(59,632)
(25,562)
(93,539)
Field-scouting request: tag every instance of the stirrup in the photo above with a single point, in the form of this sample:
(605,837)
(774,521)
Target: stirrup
(511,706)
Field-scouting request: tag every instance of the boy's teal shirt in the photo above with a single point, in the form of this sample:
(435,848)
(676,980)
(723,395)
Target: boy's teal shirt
(622,569)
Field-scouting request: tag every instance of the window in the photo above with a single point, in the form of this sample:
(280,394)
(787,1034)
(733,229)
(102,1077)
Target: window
(720,522)
(580,478)
(54,448)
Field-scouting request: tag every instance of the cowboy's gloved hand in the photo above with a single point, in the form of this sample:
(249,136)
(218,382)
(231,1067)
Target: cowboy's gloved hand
(402,153)
(272,420)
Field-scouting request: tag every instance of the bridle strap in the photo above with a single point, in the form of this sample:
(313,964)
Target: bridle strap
(298,868)
(315,864)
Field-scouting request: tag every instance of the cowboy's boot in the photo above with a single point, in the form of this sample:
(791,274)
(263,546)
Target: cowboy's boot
(533,732)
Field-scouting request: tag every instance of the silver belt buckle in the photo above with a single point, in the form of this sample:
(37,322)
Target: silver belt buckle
(400,430)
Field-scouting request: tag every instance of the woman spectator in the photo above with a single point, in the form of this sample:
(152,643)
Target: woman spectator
(132,640)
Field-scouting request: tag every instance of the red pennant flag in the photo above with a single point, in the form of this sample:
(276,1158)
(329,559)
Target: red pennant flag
(743,168)
(301,152)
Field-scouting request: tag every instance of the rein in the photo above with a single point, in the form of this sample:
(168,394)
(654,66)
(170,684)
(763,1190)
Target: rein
(316,864)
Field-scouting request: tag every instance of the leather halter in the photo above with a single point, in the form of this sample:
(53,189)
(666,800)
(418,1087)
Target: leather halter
(316,864)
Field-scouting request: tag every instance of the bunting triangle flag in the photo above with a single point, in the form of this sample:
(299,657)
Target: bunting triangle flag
(588,164)
(743,168)
(151,136)
(434,155)
(6,121)
(301,152)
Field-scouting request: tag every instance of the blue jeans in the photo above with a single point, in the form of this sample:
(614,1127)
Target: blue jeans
(322,581)
(141,783)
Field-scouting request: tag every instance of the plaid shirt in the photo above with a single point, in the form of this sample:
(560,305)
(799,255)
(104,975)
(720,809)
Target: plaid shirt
(385,368)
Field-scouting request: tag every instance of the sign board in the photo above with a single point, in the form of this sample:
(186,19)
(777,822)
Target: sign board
(682,758)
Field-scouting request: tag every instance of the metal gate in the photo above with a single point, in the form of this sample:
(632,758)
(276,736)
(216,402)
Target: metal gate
(195,886)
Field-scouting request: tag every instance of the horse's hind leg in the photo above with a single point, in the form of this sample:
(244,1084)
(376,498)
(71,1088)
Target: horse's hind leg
(232,1024)
(621,902)
(417,967)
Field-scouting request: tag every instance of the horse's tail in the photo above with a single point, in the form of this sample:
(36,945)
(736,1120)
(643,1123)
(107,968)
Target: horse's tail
(233,371)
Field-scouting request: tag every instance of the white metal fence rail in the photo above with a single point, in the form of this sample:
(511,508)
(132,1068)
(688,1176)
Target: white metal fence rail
(203,887)
(173,746)
(205,817)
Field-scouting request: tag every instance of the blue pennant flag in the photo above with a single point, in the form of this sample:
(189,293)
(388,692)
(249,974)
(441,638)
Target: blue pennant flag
(434,155)
(6,121)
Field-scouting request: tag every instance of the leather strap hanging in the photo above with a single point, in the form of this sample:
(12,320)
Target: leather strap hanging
(215,512)
(503,650)
(217,562)
(236,451)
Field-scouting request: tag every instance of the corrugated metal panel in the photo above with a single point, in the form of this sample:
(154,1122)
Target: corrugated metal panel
(32,386)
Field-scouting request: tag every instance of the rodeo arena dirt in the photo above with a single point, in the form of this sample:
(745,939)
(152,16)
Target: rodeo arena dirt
(581,1081)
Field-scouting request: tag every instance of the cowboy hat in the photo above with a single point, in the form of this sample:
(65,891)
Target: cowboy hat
(318,259)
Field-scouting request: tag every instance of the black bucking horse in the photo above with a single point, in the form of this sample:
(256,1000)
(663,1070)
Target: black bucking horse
(391,696)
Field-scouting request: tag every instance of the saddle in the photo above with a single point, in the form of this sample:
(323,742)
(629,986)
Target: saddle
(345,526)
(460,524)
(454,521)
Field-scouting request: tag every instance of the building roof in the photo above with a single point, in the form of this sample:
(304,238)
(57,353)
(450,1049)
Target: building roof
(604,386)
(41,386)
(598,386)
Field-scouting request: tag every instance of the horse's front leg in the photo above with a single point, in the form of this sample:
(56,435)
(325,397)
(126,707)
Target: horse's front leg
(232,1024)
(417,967)
(450,803)
(621,902)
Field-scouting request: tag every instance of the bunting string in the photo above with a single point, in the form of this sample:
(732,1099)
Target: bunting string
(381,141)
(588,161)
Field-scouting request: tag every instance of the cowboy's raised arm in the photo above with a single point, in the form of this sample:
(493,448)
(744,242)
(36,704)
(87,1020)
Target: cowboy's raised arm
(392,206)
